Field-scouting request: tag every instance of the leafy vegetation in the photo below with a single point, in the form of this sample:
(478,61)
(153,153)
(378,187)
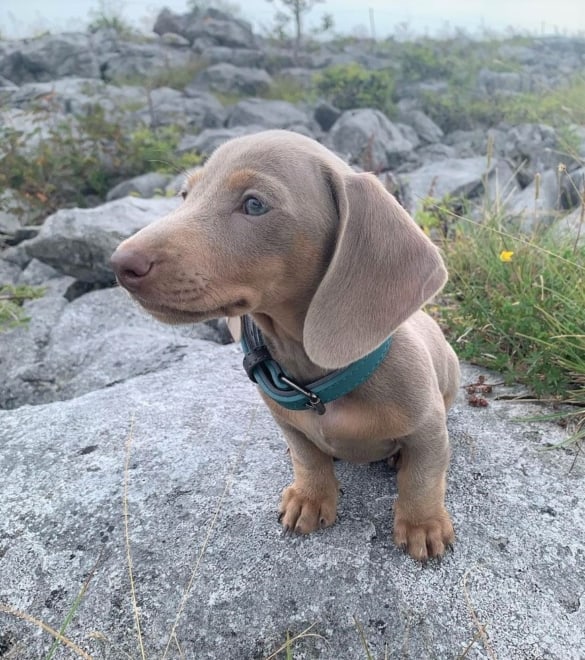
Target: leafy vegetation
(76,162)
(351,86)
(515,303)
(11,300)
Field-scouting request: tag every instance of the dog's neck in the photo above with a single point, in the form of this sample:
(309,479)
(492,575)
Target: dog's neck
(284,338)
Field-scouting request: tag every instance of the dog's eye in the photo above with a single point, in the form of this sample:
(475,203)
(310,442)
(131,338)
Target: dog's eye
(253,206)
(183,194)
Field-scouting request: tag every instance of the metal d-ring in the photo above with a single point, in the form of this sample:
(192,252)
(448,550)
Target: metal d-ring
(314,402)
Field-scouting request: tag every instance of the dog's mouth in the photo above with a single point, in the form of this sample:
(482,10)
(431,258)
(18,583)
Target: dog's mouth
(174,315)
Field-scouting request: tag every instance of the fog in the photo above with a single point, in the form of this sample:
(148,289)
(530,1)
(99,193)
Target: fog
(20,18)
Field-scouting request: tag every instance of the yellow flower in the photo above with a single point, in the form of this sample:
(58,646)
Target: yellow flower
(506,255)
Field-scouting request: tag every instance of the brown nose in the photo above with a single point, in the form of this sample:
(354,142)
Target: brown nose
(131,267)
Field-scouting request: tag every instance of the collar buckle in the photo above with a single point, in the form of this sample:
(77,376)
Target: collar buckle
(314,402)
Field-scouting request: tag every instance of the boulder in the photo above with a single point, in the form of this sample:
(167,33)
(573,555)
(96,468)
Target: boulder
(368,138)
(70,348)
(424,126)
(571,227)
(141,61)
(146,185)
(190,459)
(572,188)
(538,204)
(229,79)
(172,39)
(215,27)
(168,107)
(297,77)
(244,57)
(208,140)
(221,29)
(326,114)
(79,242)
(268,114)
(9,272)
(450,176)
(532,148)
(50,57)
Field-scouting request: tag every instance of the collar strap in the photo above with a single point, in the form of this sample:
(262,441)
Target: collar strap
(275,383)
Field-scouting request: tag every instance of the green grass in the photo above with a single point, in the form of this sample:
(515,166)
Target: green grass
(516,304)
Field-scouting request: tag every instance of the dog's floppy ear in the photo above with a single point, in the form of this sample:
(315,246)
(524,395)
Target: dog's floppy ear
(383,269)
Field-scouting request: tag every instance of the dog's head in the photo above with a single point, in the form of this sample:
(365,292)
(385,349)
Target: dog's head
(276,224)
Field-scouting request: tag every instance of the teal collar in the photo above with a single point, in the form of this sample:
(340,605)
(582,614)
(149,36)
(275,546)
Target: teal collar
(275,383)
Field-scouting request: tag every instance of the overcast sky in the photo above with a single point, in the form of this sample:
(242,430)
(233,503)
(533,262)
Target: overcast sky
(26,17)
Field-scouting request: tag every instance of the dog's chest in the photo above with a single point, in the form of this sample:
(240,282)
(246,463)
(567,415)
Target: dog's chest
(348,431)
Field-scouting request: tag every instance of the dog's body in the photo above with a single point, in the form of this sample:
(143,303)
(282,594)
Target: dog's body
(328,265)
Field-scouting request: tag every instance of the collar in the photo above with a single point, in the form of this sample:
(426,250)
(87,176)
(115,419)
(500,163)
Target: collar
(275,383)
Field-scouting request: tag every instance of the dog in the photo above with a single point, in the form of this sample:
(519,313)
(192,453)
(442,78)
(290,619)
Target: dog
(328,266)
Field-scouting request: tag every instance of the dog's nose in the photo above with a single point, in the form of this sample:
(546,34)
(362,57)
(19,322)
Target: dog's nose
(131,267)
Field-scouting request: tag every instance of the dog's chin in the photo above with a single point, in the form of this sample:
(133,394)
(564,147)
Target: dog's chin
(173,316)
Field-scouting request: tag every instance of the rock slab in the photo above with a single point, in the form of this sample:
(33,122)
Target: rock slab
(206,464)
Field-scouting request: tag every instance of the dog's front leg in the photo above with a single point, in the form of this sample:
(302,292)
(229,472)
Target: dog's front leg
(310,502)
(421,524)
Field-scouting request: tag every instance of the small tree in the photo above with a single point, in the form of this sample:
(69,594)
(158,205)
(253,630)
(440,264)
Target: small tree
(297,8)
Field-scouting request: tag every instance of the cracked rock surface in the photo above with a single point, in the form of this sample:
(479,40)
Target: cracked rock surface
(205,471)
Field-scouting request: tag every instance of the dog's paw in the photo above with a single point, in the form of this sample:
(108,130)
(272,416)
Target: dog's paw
(424,539)
(304,514)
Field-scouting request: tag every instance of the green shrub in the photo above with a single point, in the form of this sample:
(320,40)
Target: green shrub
(11,301)
(76,162)
(350,86)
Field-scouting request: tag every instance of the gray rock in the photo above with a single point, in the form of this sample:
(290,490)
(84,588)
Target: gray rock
(73,96)
(467,143)
(268,114)
(202,110)
(451,176)
(140,61)
(435,152)
(532,148)
(500,184)
(245,57)
(9,222)
(37,273)
(209,139)
(200,446)
(168,21)
(146,185)
(537,210)
(367,137)
(326,114)
(17,255)
(172,39)
(572,188)
(9,271)
(425,128)
(297,76)
(175,184)
(7,85)
(222,30)
(571,227)
(101,338)
(502,83)
(229,79)
(79,242)
(50,57)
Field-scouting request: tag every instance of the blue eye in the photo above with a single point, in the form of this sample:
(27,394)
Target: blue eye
(253,206)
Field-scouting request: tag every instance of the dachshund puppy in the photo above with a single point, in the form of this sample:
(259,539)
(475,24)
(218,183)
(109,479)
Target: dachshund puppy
(328,266)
